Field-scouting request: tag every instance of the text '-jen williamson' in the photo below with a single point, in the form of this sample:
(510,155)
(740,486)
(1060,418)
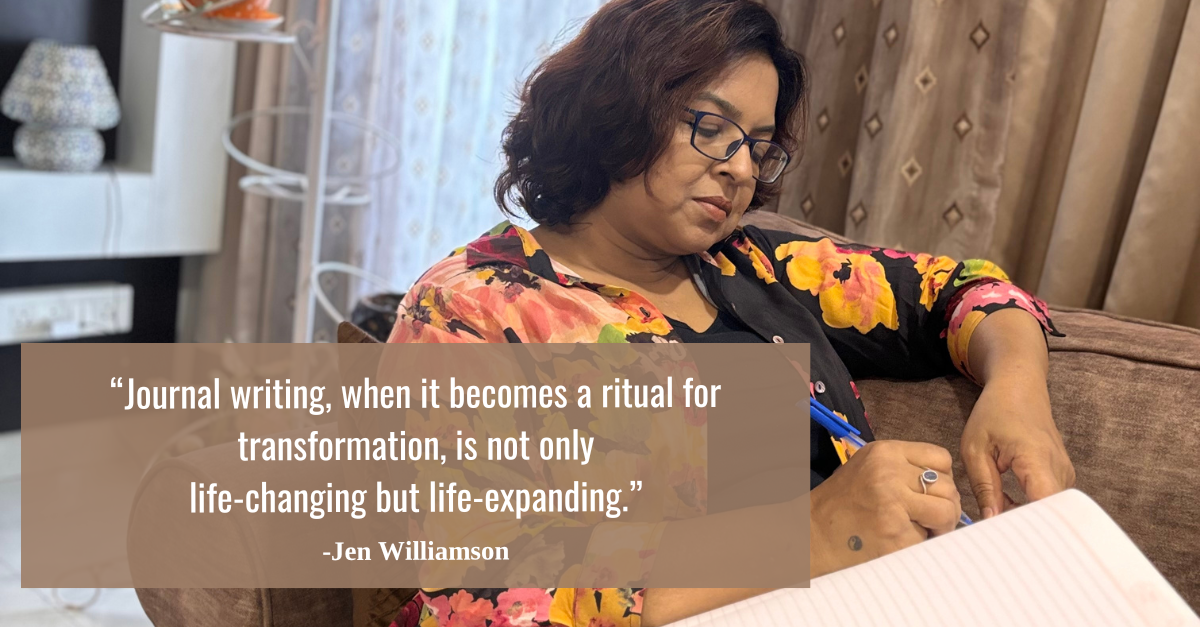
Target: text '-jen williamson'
(420,551)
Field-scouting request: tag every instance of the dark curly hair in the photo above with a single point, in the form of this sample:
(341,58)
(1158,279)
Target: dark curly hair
(604,107)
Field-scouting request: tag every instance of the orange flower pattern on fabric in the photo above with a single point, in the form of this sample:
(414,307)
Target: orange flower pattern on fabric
(935,273)
(758,259)
(532,607)
(852,286)
(722,262)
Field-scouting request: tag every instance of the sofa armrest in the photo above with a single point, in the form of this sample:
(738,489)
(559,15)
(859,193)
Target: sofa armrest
(1126,396)
(253,607)
(249,607)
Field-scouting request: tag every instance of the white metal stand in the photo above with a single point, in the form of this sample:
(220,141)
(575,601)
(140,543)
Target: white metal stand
(267,180)
(313,188)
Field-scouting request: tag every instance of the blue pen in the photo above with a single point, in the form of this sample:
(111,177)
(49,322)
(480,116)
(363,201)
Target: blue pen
(833,423)
(816,405)
(842,430)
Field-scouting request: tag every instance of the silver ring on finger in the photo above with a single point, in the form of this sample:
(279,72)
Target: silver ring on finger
(928,478)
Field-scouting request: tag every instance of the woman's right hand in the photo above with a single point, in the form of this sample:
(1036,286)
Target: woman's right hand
(873,504)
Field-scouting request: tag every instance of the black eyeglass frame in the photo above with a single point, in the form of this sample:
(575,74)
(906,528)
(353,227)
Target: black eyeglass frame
(746,139)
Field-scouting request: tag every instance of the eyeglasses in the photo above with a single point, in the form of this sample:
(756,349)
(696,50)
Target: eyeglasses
(717,137)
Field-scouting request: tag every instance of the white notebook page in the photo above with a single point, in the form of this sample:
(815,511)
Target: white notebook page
(1060,561)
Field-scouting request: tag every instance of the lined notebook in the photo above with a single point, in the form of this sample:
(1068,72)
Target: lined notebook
(1059,561)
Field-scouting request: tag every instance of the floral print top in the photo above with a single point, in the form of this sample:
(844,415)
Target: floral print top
(865,311)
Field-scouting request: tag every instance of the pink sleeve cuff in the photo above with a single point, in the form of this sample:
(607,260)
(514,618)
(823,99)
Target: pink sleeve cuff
(973,303)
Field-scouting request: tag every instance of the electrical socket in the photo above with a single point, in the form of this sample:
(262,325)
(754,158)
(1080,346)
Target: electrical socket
(64,312)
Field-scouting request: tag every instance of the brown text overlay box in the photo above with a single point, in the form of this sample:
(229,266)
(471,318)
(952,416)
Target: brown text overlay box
(722,499)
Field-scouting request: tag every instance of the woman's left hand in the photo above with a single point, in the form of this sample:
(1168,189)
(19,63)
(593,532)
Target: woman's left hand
(1011,428)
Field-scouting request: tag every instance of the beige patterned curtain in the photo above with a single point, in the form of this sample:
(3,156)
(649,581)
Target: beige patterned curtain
(1056,137)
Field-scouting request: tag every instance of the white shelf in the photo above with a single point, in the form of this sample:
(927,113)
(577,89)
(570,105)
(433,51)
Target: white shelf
(94,215)
(69,215)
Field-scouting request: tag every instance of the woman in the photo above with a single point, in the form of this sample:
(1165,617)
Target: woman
(637,149)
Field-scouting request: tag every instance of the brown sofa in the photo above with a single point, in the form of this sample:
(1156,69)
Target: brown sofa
(1125,393)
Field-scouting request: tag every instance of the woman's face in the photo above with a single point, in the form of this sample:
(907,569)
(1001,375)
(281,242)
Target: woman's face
(693,201)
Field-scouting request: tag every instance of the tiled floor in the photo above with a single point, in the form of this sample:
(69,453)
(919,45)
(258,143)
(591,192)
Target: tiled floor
(116,607)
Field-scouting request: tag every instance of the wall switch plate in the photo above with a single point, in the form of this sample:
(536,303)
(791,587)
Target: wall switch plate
(65,312)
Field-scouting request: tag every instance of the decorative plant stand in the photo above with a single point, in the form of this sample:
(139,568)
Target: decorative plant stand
(314,187)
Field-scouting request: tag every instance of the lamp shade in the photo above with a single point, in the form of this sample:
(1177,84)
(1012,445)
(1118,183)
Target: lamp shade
(62,86)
